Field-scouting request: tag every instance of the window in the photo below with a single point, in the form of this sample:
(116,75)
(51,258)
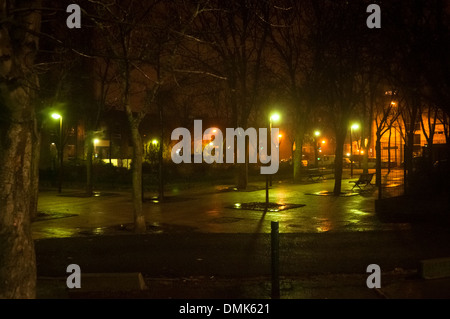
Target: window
(416,139)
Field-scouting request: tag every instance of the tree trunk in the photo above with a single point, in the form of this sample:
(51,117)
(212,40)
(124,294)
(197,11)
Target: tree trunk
(340,140)
(409,161)
(378,160)
(17,257)
(139,218)
(389,151)
(160,154)
(89,170)
(36,141)
(297,158)
(17,118)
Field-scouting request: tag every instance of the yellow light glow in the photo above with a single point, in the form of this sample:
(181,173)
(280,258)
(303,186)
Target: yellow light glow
(317,133)
(154,142)
(96,141)
(355,126)
(275,117)
(56,116)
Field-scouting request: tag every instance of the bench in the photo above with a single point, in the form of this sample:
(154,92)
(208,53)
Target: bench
(315,174)
(364,179)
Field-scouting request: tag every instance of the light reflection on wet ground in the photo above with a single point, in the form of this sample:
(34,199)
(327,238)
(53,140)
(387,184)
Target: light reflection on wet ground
(213,212)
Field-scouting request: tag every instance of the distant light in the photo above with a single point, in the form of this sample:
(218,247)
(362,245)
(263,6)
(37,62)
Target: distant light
(96,141)
(317,133)
(53,144)
(348,154)
(280,135)
(355,126)
(56,116)
(155,141)
(211,144)
(214,131)
(362,152)
(324,142)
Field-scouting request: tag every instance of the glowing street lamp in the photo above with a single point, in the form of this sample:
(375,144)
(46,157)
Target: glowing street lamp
(274,117)
(57,116)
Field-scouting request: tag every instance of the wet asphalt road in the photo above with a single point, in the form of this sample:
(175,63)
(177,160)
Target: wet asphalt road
(202,236)
(241,255)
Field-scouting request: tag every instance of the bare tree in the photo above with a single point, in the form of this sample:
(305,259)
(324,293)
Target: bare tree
(386,112)
(298,67)
(227,41)
(430,113)
(341,39)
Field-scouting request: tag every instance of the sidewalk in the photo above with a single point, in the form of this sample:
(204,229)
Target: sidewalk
(214,211)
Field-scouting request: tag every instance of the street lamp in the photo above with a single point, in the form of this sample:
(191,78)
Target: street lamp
(275,117)
(57,116)
(353,127)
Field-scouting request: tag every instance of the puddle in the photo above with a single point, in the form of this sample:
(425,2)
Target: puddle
(46,215)
(167,199)
(84,195)
(128,229)
(261,206)
(225,220)
(329,193)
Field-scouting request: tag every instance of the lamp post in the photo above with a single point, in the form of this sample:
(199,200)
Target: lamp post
(158,146)
(273,118)
(96,141)
(353,127)
(57,116)
(316,155)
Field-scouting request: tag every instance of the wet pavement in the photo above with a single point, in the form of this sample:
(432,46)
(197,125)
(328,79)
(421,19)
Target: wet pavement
(302,209)
(214,242)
